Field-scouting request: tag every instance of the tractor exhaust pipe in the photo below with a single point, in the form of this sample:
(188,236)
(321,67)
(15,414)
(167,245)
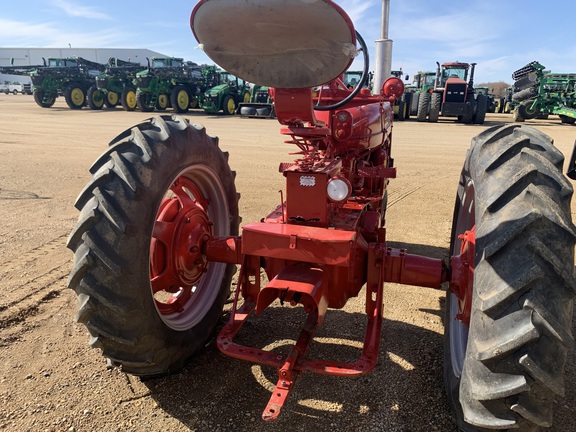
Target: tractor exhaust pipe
(471,81)
(383,64)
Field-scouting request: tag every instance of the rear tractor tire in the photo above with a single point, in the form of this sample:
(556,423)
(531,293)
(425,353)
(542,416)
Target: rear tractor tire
(481,108)
(423,107)
(510,305)
(148,297)
(95,98)
(180,99)
(408,102)
(143,101)
(414,100)
(41,99)
(401,111)
(111,100)
(75,97)
(128,99)
(163,102)
(229,105)
(435,105)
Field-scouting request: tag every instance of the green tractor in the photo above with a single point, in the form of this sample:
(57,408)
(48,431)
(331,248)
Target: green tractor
(352,78)
(115,86)
(492,106)
(168,82)
(538,93)
(71,77)
(402,105)
(423,83)
(227,95)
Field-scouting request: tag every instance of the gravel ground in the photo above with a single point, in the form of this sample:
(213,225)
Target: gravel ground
(50,379)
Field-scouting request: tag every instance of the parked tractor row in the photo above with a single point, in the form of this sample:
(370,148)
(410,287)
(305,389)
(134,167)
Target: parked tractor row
(164,83)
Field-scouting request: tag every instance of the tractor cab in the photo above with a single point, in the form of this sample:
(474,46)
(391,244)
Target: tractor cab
(452,72)
(161,62)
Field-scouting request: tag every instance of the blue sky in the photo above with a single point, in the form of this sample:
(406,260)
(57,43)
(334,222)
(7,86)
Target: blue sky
(500,35)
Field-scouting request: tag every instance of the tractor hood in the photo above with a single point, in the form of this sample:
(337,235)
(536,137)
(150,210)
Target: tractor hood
(217,89)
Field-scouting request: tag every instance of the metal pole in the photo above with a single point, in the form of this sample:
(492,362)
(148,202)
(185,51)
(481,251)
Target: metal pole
(385,19)
(383,64)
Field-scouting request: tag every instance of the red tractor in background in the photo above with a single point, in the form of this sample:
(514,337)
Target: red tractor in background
(453,95)
(158,242)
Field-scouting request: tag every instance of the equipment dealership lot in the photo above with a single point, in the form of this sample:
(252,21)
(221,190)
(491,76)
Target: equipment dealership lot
(51,381)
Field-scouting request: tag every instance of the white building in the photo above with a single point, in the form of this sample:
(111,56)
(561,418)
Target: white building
(34,56)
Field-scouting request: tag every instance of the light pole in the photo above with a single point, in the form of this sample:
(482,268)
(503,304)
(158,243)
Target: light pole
(383,64)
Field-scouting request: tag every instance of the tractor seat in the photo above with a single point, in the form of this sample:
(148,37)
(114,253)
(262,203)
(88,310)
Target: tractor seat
(276,43)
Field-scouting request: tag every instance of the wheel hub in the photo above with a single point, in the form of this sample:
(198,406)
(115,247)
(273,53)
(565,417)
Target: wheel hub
(177,261)
(462,280)
(193,231)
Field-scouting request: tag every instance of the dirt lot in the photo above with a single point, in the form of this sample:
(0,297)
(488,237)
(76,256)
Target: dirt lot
(51,381)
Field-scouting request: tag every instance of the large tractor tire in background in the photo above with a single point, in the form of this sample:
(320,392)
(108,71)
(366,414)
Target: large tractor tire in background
(75,96)
(111,99)
(414,100)
(143,101)
(128,99)
(512,232)
(95,98)
(435,105)
(180,99)
(401,110)
(408,101)
(229,105)
(481,108)
(423,107)
(39,98)
(147,295)
(163,102)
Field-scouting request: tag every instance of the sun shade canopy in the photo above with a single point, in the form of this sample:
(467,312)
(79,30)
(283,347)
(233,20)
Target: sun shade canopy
(276,43)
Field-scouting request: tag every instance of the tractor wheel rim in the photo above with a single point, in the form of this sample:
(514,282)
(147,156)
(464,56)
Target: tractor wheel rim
(131,99)
(77,96)
(461,304)
(163,101)
(181,279)
(97,99)
(112,98)
(183,99)
(230,106)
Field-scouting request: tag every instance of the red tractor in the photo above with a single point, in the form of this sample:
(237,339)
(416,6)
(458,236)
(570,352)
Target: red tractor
(157,242)
(453,95)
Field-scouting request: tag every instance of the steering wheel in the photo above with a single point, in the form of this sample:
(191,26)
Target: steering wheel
(356,89)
